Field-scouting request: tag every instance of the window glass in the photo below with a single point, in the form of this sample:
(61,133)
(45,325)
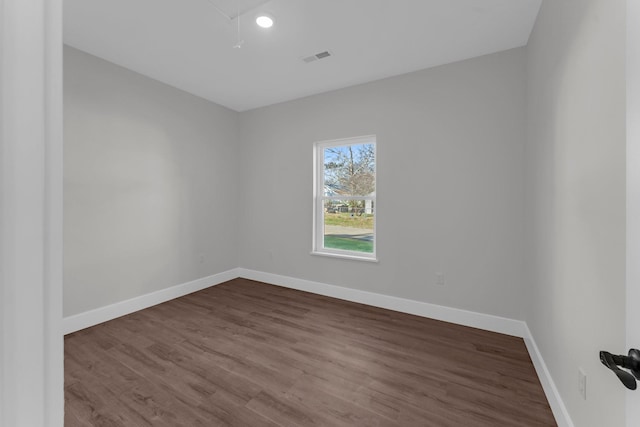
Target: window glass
(345,198)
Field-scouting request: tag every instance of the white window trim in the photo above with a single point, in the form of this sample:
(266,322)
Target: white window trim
(318,201)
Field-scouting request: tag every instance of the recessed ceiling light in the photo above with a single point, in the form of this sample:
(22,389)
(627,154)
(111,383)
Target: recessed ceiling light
(264,21)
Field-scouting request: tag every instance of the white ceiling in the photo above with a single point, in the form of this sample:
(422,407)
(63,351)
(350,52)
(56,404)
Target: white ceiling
(189,43)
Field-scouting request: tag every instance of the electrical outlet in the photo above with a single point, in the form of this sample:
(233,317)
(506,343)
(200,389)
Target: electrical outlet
(440,279)
(582,383)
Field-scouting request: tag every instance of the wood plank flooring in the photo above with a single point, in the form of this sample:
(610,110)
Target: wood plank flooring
(245,353)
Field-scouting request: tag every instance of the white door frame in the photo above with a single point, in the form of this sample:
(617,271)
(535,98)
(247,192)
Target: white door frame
(31,339)
(633,196)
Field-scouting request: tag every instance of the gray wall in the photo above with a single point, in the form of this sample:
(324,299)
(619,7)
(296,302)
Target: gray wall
(576,199)
(150,183)
(450,184)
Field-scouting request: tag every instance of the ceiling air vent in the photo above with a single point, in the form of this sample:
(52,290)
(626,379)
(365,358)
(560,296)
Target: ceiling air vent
(317,56)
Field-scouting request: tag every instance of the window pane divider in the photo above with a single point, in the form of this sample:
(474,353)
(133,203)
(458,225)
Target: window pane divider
(347,198)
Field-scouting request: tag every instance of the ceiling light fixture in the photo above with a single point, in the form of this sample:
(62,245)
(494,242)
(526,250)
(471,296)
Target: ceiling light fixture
(264,21)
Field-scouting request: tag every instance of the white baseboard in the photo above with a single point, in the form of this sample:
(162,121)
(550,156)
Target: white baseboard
(558,408)
(99,315)
(487,322)
(453,315)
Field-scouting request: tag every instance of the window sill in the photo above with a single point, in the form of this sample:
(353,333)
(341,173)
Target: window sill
(345,256)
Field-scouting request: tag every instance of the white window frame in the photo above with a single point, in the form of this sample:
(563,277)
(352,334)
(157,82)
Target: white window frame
(319,198)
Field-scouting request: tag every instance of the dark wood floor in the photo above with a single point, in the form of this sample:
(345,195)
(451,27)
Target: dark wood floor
(249,354)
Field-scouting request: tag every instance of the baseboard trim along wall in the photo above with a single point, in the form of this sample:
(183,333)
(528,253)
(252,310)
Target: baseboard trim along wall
(487,322)
(453,315)
(103,314)
(558,408)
